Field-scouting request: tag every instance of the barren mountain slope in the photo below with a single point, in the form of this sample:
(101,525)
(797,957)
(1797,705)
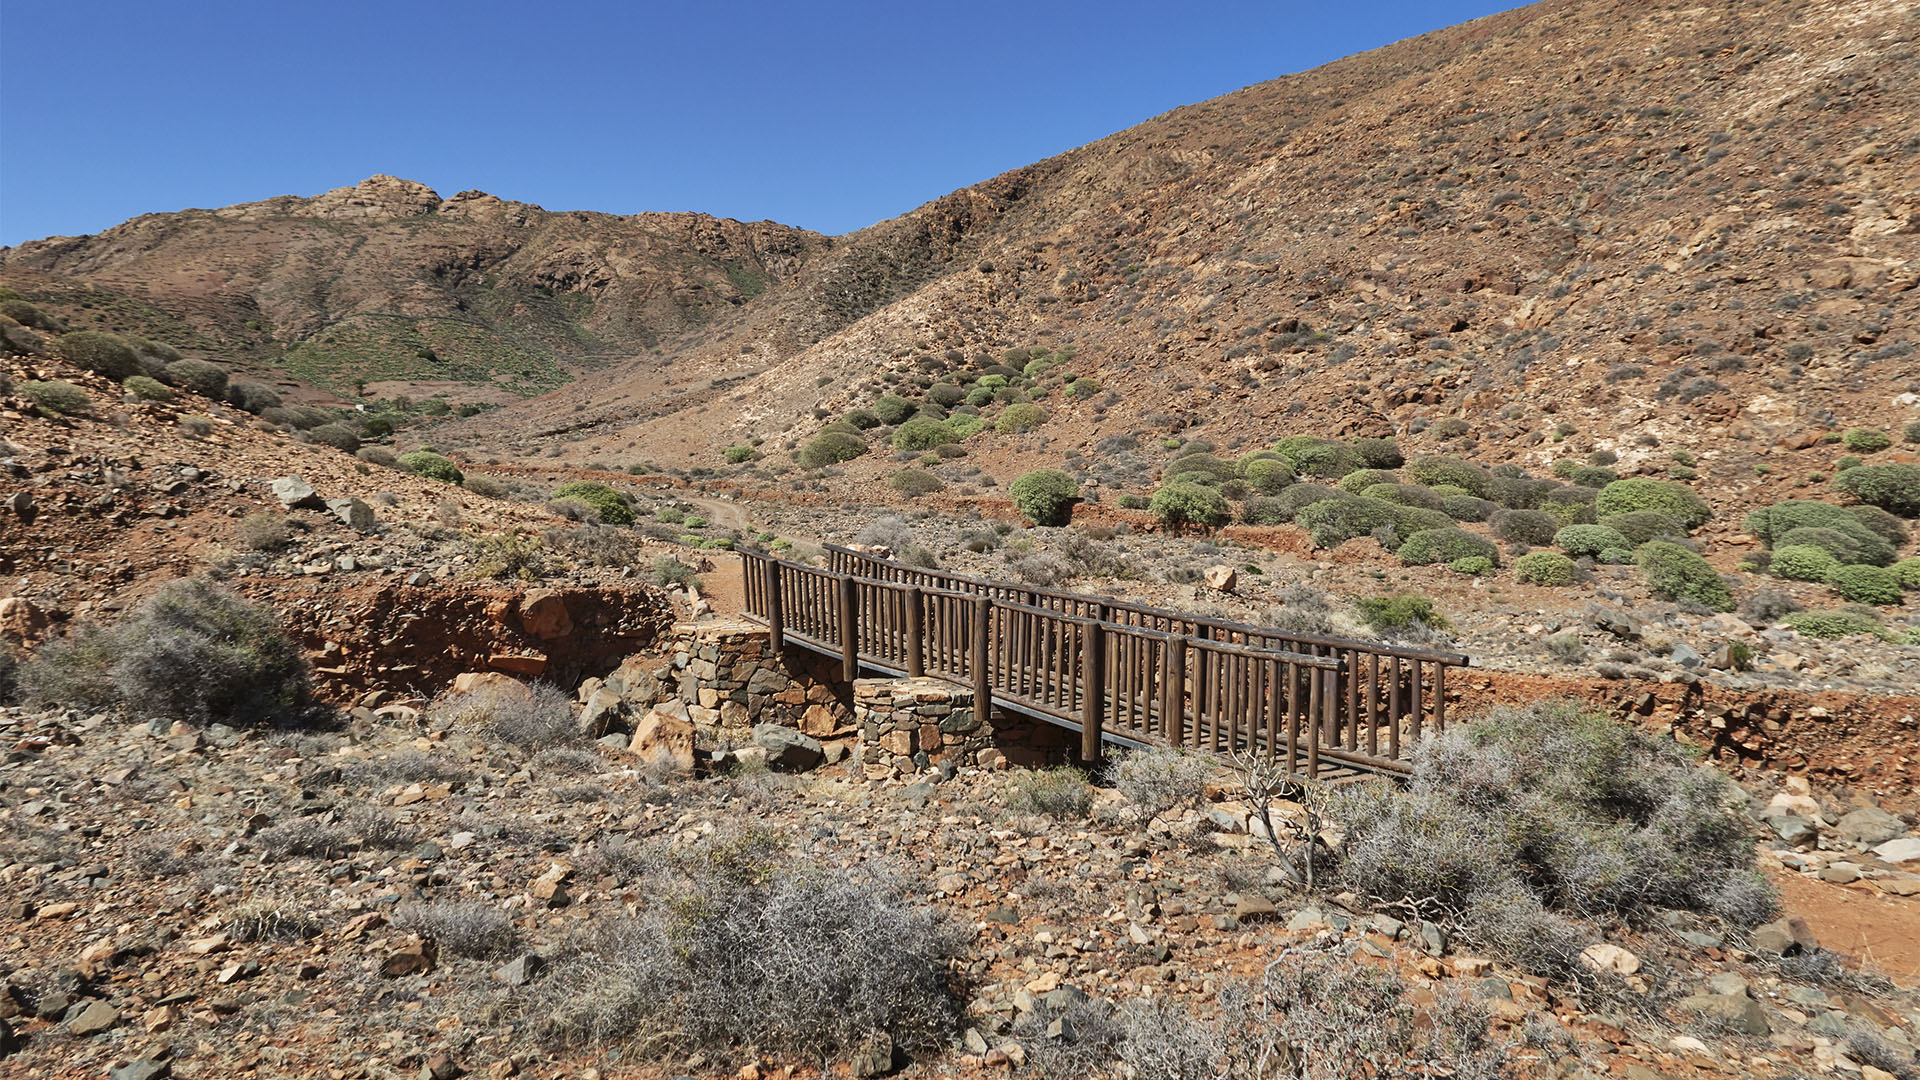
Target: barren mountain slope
(1696,222)
(386,281)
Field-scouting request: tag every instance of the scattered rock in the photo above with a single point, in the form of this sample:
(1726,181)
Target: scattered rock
(661,737)
(296,494)
(1868,826)
(1603,956)
(1738,1012)
(1904,850)
(788,750)
(1221,578)
(353,513)
(92,1019)
(873,1057)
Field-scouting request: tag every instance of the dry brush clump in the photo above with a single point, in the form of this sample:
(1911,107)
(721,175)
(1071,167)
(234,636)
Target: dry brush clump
(1159,779)
(1520,826)
(530,717)
(742,946)
(194,652)
(461,927)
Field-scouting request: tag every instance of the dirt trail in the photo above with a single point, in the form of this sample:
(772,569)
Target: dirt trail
(1881,931)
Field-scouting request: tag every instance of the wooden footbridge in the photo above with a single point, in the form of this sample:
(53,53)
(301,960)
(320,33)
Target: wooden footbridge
(1329,707)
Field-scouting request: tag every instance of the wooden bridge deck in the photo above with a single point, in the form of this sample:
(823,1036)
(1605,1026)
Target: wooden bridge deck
(1330,708)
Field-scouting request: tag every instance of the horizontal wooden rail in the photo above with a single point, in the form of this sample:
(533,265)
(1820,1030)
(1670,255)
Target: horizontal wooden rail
(1112,671)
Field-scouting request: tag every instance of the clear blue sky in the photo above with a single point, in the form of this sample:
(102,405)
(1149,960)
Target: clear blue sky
(830,115)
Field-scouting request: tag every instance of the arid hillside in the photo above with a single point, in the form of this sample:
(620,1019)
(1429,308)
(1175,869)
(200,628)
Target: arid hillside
(386,287)
(1695,222)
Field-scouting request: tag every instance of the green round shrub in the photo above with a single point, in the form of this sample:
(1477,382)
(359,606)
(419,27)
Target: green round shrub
(737,454)
(922,433)
(1568,504)
(1640,526)
(1861,584)
(202,377)
(946,395)
(1592,476)
(28,315)
(914,483)
(1851,542)
(1412,519)
(1544,568)
(101,353)
(432,466)
(1045,496)
(1893,488)
(1406,495)
(1445,546)
(1268,476)
(1834,624)
(1615,556)
(56,397)
(1311,455)
(1472,565)
(1675,573)
(147,388)
(862,419)
(1865,440)
(1465,507)
(1589,540)
(1200,465)
(1803,562)
(1332,522)
(1380,453)
(1134,502)
(830,448)
(1525,526)
(1907,573)
(893,409)
(337,435)
(613,507)
(1262,510)
(1182,504)
(1882,524)
(1436,469)
(1643,493)
(1300,496)
(1360,480)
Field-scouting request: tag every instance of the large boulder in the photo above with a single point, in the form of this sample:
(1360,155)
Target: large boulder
(491,682)
(352,513)
(661,738)
(603,712)
(1740,1013)
(1868,826)
(296,494)
(544,615)
(788,750)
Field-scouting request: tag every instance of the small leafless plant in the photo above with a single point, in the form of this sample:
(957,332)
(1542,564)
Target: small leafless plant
(1296,841)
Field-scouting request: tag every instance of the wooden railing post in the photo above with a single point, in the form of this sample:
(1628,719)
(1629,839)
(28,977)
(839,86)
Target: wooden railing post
(982,658)
(1093,702)
(849,629)
(916,632)
(1173,691)
(776,609)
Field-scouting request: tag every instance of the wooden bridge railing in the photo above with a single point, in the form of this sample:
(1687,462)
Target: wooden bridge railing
(1112,670)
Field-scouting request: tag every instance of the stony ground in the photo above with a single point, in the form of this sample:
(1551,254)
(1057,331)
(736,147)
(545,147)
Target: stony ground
(253,904)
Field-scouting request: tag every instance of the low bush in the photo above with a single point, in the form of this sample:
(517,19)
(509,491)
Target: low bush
(742,948)
(1865,440)
(1525,526)
(1360,480)
(1019,417)
(1797,562)
(1640,526)
(1468,507)
(613,506)
(1045,496)
(1399,614)
(147,388)
(1853,543)
(1266,475)
(1907,573)
(1430,546)
(1405,495)
(1159,779)
(1311,455)
(1569,505)
(192,652)
(1886,526)
(1544,568)
(252,397)
(27,314)
(1893,488)
(202,377)
(337,435)
(432,466)
(1676,573)
(1643,493)
(1062,794)
(892,409)
(1332,522)
(921,434)
(1472,566)
(1590,541)
(736,455)
(914,483)
(1186,504)
(484,486)
(1378,453)
(102,353)
(1434,470)
(263,532)
(529,717)
(55,397)
(1529,818)
(1834,624)
(461,927)
(1860,584)
(501,556)
(830,448)
(378,455)
(668,571)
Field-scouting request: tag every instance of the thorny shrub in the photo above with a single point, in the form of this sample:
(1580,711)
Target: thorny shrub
(535,717)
